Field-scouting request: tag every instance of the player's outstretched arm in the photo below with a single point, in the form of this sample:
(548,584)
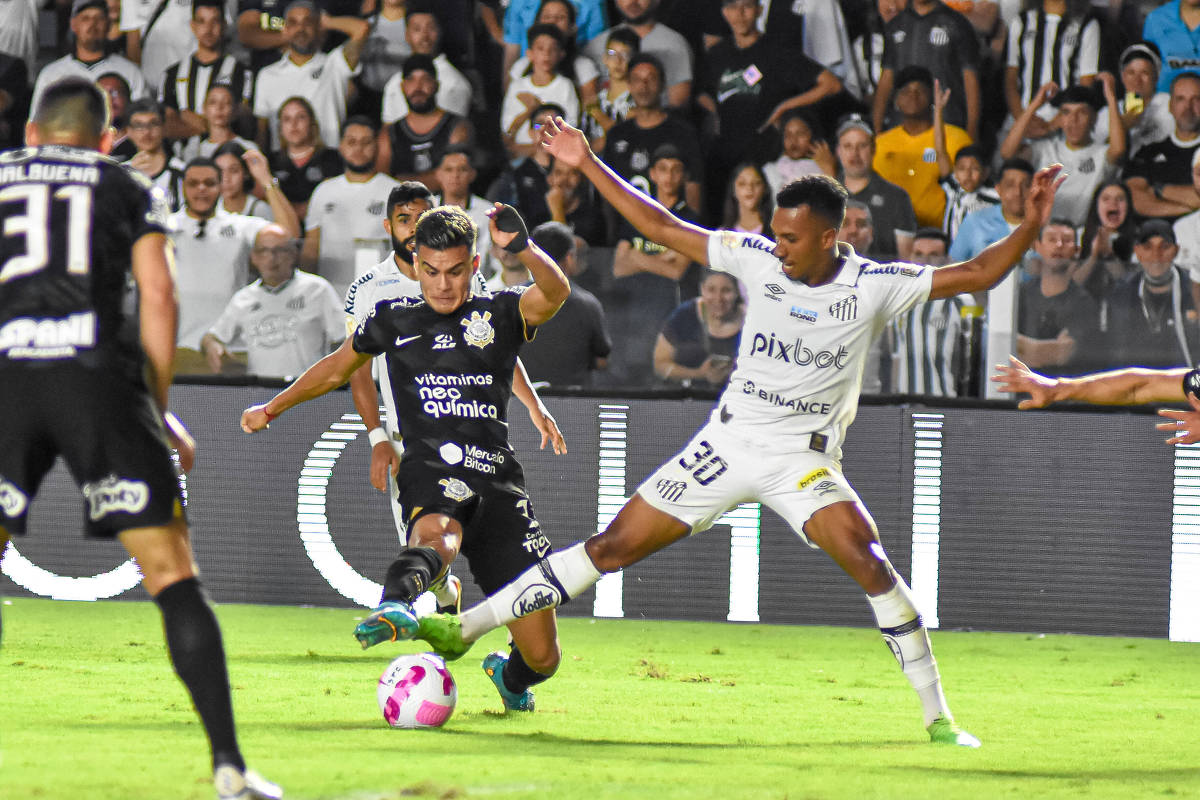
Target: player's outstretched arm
(988,268)
(1132,386)
(1184,426)
(541,417)
(326,375)
(655,222)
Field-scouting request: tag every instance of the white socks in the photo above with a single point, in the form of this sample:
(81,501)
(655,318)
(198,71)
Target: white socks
(906,637)
(553,581)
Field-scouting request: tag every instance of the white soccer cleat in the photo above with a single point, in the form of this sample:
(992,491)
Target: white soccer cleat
(448,594)
(232,783)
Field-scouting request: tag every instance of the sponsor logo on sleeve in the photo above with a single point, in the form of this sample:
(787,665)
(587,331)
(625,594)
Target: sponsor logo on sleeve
(113,494)
(812,477)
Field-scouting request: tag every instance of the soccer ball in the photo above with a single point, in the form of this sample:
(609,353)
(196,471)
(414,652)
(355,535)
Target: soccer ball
(417,691)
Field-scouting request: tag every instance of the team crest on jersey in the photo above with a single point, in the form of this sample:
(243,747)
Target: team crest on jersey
(111,494)
(12,500)
(846,309)
(454,489)
(375,209)
(478,330)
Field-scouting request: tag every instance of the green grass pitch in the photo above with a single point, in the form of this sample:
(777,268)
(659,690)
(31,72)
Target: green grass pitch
(89,710)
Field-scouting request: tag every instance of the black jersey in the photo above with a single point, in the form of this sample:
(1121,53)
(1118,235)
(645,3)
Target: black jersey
(68,220)
(451,377)
(414,153)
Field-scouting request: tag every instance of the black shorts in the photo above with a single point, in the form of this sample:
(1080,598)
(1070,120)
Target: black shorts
(501,536)
(107,430)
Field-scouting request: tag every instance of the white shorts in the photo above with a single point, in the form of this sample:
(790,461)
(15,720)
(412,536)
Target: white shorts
(718,469)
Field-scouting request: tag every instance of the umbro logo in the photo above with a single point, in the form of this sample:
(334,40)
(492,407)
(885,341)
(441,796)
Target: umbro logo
(773,292)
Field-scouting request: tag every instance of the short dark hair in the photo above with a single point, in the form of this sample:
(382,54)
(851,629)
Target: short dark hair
(652,60)
(626,36)
(459,149)
(558,110)
(419,7)
(821,193)
(1187,73)
(1018,164)
(804,116)
(971,151)
(198,4)
(360,119)
(145,105)
(406,192)
(556,238)
(444,228)
(73,105)
(668,151)
(546,29)
(223,86)
(572,12)
(201,162)
(932,233)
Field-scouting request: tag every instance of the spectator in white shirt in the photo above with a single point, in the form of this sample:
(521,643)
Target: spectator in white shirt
(323,78)
(89,58)
(347,207)
(289,319)
(424,37)
(158,33)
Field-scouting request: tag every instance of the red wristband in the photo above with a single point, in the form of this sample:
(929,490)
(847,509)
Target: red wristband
(270,417)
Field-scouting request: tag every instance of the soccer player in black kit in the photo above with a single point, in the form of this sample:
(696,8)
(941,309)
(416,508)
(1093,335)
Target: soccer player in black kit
(82,378)
(451,356)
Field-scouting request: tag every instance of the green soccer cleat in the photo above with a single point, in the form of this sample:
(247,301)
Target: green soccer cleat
(946,731)
(493,665)
(389,622)
(444,634)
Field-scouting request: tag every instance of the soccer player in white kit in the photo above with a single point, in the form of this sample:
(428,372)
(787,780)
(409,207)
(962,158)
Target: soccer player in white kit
(775,435)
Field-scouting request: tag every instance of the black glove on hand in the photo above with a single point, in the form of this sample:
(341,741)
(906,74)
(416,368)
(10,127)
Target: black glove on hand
(509,220)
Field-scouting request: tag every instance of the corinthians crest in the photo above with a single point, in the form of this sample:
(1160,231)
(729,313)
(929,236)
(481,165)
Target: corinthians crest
(478,330)
(455,489)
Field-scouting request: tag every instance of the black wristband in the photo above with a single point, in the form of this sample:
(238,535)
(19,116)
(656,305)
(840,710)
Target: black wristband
(1191,383)
(509,220)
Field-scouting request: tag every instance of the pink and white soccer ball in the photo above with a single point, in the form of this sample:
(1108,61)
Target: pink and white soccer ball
(417,691)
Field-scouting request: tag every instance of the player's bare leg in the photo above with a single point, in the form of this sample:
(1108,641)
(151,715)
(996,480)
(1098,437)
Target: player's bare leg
(848,534)
(534,657)
(638,530)
(194,642)
(434,541)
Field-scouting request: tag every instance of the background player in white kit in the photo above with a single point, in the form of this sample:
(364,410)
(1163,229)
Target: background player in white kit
(392,278)
(775,436)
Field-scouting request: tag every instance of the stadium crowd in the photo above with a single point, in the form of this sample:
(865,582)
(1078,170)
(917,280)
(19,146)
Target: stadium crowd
(277,130)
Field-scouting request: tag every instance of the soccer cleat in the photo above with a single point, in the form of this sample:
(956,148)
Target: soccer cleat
(232,783)
(392,620)
(448,594)
(493,665)
(443,632)
(946,731)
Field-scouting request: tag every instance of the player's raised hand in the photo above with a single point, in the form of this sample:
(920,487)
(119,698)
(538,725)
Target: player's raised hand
(255,418)
(565,142)
(1018,378)
(1040,200)
(548,427)
(1184,425)
(507,228)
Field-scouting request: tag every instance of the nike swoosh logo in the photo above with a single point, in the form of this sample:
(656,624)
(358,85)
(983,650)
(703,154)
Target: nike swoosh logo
(401,342)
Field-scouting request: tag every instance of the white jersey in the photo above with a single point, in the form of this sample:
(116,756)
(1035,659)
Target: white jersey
(166,31)
(345,211)
(323,80)
(19,31)
(804,348)
(383,282)
(453,94)
(71,67)
(286,328)
(211,264)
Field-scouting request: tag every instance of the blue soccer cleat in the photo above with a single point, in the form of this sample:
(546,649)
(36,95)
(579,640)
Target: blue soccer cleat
(390,622)
(493,665)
